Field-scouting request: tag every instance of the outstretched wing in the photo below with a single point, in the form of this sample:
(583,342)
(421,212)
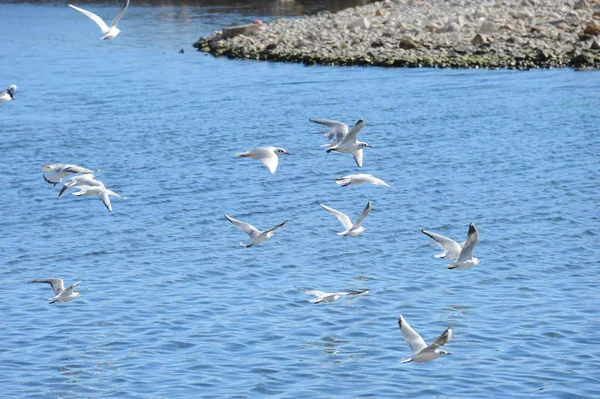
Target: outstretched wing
(106,200)
(361,292)
(116,19)
(69,289)
(346,222)
(252,231)
(353,133)
(358,157)
(441,340)
(270,160)
(276,227)
(93,17)
(376,181)
(411,337)
(472,239)
(449,245)
(337,131)
(312,292)
(363,215)
(57,284)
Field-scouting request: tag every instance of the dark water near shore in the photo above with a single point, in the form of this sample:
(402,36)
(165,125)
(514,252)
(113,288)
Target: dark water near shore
(173,308)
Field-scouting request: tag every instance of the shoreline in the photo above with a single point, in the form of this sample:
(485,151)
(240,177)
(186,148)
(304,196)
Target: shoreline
(412,33)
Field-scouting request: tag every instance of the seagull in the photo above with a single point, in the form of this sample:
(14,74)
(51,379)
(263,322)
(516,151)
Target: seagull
(352,229)
(462,254)
(350,144)
(54,173)
(326,297)
(99,191)
(353,180)
(8,94)
(256,235)
(267,155)
(58,286)
(336,133)
(82,180)
(420,351)
(109,33)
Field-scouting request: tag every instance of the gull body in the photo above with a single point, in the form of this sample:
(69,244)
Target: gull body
(269,156)
(108,32)
(98,191)
(354,180)
(81,180)
(326,297)
(421,352)
(336,133)
(54,173)
(350,144)
(462,254)
(61,294)
(352,229)
(8,94)
(256,236)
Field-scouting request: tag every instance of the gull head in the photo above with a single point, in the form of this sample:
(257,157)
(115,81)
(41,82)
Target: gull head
(281,151)
(475,261)
(362,144)
(49,167)
(270,234)
(442,352)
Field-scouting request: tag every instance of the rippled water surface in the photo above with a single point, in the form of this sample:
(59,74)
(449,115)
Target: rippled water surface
(172,307)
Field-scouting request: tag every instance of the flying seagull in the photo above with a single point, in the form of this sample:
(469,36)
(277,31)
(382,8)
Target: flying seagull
(256,235)
(8,94)
(109,33)
(267,155)
(420,351)
(54,173)
(336,133)
(98,191)
(61,294)
(462,254)
(350,144)
(352,229)
(354,180)
(326,297)
(77,181)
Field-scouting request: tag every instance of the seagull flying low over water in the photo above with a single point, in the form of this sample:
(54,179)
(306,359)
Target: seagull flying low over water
(336,133)
(352,229)
(54,173)
(8,94)
(354,180)
(326,297)
(462,254)
(109,33)
(350,144)
(61,294)
(267,155)
(256,235)
(77,181)
(420,351)
(98,191)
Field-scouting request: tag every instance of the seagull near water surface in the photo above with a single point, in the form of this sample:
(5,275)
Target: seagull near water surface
(352,229)
(420,351)
(78,181)
(267,155)
(98,191)
(256,236)
(61,294)
(351,145)
(109,32)
(54,173)
(462,254)
(354,180)
(8,94)
(326,297)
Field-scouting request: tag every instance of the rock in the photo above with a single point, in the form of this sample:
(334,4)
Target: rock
(379,13)
(592,29)
(582,60)
(479,39)
(507,27)
(461,21)
(358,23)
(523,15)
(487,27)
(596,15)
(451,27)
(581,4)
(408,44)
(433,27)
(595,45)
(234,31)
(560,24)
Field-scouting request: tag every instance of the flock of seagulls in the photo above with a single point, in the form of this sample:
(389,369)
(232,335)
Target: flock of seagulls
(340,139)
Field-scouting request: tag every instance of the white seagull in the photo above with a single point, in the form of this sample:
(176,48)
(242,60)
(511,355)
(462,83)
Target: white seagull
(98,191)
(54,173)
(267,155)
(326,297)
(462,254)
(8,94)
(420,351)
(256,235)
(336,133)
(350,144)
(81,180)
(109,33)
(354,180)
(352,229)
(61,294)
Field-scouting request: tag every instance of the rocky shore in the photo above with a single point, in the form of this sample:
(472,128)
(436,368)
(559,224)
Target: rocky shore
(521,34)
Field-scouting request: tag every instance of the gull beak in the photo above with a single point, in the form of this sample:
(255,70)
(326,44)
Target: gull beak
(286,153)
(370,146)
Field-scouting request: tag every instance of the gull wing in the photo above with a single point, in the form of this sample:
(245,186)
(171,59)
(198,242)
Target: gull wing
(75,169)
(312,292)
(441,340)
(411,337)
(376,181)
(353,292)
(337,131)
(3,92)
(276,227)
(252,231)
(449,245)
(57,284)
(69,289)
(363,215)
(353,133)
(358,157)
(53,178)
(343,218)
(93,17)
(472,239)
(106,200)
(116,19)
(269,159)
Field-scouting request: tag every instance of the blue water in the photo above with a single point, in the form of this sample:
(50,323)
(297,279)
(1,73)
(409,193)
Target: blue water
(172,307)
